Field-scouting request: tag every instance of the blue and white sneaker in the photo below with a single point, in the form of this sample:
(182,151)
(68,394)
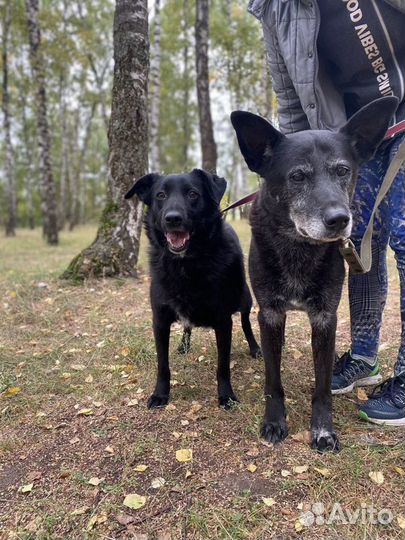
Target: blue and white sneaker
(386,405)
(349,373)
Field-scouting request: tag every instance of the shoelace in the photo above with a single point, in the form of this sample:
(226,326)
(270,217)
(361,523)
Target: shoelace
(394,389)
(347,366)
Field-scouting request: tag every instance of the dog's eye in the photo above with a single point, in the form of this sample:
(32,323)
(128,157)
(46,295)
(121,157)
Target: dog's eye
(298,176)
(193,194)
(341,170)
(161,195)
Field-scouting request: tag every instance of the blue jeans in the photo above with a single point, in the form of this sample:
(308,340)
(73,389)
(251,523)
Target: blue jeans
(368,292)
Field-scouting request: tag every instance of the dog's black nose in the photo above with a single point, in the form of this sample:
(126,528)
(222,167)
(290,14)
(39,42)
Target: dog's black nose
(336,218)
(173,218)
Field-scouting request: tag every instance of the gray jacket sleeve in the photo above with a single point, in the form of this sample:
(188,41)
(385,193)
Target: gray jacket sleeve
(397,4)
(290,113)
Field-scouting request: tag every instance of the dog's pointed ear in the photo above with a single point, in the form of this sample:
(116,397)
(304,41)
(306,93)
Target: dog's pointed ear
(366,128)
(143,188)
(257,138)
(216,185)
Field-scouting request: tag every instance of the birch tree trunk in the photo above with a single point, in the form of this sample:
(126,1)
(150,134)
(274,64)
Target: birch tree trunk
(154,92)
(49,205)
(208,146)
(11,204)
(115,249)
(30,160)
(64,166)
(186,89)
(77,182)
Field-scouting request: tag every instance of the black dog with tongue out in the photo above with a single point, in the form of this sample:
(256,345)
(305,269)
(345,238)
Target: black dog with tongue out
(197,270)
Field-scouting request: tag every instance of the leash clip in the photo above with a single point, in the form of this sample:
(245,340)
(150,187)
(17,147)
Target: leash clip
(350,255)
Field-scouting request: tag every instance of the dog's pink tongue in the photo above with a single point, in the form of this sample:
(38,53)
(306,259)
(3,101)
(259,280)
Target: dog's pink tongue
(177,239)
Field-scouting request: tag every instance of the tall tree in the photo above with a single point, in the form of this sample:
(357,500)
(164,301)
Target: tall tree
(208,146)
(154,91)
(64,182)
(115,249)
(9,159)
(186,85)
(48,193)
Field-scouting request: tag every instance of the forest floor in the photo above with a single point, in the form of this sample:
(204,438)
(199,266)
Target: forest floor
(77,364)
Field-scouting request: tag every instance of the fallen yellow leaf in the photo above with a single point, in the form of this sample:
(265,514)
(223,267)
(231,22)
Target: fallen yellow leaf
(85,412)
(251,467)
(268,501)
(323,471)
(300,469)
(361,394)
(80,511)
(141,468)
(96,519)
(285,473)
(134,501)
(158,482)
(12,391)
(302,436)
(89,379)
(401,521)
(125,351)
(298,526)
(27,488)
(399,470)
(185,454)
(94,481)
(377,477)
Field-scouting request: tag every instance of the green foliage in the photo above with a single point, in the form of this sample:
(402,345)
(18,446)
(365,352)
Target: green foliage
(76,43)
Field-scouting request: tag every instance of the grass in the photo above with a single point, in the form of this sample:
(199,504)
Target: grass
(77,364)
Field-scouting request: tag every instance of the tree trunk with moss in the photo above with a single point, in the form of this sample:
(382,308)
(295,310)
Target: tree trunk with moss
(115,249)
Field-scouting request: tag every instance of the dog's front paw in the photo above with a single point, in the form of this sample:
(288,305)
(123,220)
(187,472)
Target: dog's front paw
(256,352)
(324,440)
(274,432)
(227,402)
(155,401)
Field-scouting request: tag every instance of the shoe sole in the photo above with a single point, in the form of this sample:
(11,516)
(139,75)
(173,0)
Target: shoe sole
(367,381)
(395,423)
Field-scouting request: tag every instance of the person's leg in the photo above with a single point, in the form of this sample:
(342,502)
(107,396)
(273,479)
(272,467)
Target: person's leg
(367,292)
(397,243)
(387,403)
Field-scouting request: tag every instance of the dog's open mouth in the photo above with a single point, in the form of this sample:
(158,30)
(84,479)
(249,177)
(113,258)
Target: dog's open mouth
(177,240)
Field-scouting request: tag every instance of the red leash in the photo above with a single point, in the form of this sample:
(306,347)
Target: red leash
(244,200)
(391,132)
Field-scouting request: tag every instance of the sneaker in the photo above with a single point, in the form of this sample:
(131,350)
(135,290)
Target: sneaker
(349,373)
(386,405)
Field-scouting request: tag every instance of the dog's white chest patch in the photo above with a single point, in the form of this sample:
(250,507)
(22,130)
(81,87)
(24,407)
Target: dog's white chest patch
(185,322)
(296,304)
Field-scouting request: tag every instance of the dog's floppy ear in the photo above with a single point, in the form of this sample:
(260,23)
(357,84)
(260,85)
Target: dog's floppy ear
(216,185)
(256,137)
(367,127)
(143,187)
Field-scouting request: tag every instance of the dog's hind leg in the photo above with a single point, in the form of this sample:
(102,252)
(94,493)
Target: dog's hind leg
(184,346)
(246,307)
(223,334)
(274,428)
(323,348)
(163,318)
